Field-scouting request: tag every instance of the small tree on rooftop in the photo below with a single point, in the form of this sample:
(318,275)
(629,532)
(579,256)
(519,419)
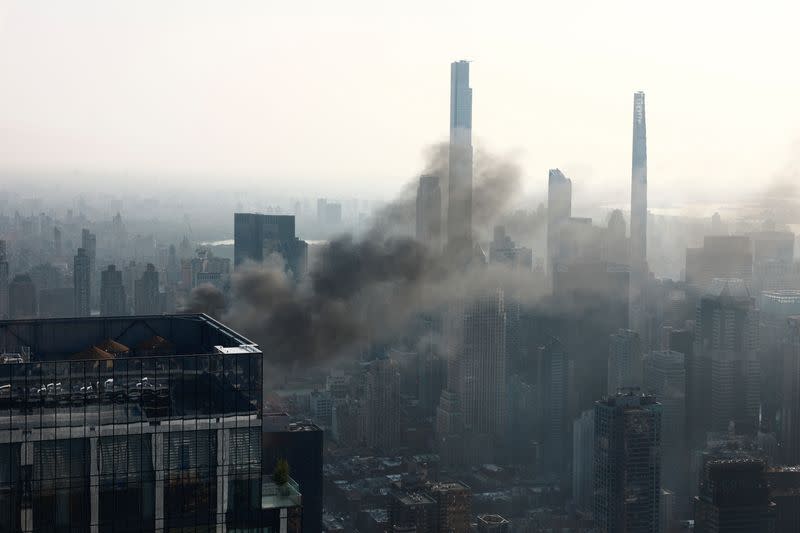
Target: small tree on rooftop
(281,473)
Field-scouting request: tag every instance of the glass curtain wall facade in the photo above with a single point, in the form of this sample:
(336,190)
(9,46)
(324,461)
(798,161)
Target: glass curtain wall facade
(153,439)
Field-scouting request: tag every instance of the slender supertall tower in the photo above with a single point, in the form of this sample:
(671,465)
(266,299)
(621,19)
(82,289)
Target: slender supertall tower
(638,251)
(459,205)
(639,184)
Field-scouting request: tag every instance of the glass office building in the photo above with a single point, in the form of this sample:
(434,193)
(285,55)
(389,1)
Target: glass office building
(123,424)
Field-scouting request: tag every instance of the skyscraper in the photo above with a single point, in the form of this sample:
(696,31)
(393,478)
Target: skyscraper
(146,296)
(186,458)
(57,247)
(482,366)
(734,496)
(790,399)
(382,406)
(559,210)
(553,388)
(3,281)
(638,243)
(639,184)
(627,473)
(22,297)
(301,445)
(89,243)
(81,268)
(429,212)
(726,372)
(112,292)
(583,461)
(624,360)
(459,205)
(258,236)
(665,378)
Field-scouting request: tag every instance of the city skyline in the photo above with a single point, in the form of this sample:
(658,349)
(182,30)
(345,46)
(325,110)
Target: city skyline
(578,130)
(463,357)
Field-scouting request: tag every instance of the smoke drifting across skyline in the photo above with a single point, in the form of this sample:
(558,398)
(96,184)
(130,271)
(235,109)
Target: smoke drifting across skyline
(366,289)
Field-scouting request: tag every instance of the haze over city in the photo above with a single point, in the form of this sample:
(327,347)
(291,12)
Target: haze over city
(281,97)
(352,267)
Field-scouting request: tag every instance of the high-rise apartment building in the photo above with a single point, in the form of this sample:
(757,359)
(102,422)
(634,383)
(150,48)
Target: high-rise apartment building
(639,184)
(429,212)
(624,360)
(638,241)
(82,282)
(112,292)
(257,236)
(627,463)
(459,204)
(130,424)
(726,375)
(734,497)
(559,210)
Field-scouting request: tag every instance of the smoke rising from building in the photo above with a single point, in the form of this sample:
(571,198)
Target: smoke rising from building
(365,289)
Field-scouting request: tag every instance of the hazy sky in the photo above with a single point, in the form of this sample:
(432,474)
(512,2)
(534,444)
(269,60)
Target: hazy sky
(340,97)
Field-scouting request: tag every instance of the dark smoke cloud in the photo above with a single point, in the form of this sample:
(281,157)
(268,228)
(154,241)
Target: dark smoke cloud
(366,290)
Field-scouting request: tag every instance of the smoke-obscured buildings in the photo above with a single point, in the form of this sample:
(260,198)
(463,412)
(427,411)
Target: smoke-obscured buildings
(258,236)
(721,256)
(429,212)
(725,376)
(624,360)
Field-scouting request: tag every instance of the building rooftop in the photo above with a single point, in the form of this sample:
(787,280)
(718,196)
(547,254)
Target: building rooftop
(61,339)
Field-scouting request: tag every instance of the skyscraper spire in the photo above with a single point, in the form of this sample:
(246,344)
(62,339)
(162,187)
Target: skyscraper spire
(459,208)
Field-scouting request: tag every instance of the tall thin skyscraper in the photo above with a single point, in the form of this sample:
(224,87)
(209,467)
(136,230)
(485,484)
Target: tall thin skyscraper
(82,282)
(459,205)
(553,389)
(3,281)
(559,209)
(638,255)
(429,212)
(627,461)
(639,183)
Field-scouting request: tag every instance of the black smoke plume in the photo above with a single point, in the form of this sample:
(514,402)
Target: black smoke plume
(362,290)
